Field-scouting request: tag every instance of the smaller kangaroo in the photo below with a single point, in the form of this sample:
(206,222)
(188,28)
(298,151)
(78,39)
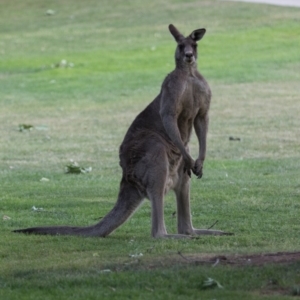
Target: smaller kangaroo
(154,155)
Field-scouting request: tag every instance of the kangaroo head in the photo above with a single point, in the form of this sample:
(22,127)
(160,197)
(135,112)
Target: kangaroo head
(186,51)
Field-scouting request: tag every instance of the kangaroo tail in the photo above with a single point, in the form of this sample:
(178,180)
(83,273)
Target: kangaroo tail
(128,201)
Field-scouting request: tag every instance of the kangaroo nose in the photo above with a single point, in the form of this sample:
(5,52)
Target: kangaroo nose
(188,54)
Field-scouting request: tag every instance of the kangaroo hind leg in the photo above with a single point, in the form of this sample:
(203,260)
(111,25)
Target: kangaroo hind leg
(157,187)
(156,196)
(184,221)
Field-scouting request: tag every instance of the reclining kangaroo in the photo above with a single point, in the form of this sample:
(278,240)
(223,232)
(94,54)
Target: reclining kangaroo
(154,154)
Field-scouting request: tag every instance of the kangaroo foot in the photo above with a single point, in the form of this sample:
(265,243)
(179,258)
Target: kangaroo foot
(210,232)
(176,236)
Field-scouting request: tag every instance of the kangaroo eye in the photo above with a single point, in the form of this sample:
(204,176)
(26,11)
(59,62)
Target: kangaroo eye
(181,47)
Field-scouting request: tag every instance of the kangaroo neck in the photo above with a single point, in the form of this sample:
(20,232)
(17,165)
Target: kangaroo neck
(188,69)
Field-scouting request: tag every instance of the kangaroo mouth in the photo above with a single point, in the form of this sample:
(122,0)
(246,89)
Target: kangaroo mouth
(189,60)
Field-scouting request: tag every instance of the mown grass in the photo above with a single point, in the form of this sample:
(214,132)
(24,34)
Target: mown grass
(179,282)
(121,52)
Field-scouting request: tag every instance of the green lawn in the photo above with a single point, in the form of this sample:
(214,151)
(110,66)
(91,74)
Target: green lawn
(118,53)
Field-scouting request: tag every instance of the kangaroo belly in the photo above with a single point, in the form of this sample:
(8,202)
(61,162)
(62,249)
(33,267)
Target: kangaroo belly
(173,173)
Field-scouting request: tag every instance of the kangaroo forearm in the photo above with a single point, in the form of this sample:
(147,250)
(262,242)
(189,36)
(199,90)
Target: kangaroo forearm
(202,144)
(172,130)
(201,128)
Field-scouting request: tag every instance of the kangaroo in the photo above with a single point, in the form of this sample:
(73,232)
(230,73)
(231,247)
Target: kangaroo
(154,155)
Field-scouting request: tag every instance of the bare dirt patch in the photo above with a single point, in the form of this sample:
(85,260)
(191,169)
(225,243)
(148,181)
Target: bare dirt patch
(244,260)
(272,287)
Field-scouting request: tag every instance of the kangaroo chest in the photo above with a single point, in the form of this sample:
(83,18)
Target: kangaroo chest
(193,99)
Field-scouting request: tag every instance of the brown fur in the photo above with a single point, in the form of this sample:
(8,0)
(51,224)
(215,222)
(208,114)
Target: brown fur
(154,154)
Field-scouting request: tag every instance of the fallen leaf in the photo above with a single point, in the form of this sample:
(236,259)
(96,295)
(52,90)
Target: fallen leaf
(64,64)
(24,127)
(37,208)
(44,179)
(136,255)
(50,12)
(74,168)
(210,283)
(5,218)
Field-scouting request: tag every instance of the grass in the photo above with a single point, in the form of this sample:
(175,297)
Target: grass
(93,284)
(121,53)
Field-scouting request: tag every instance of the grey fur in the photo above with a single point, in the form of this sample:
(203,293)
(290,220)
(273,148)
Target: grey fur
(154,154)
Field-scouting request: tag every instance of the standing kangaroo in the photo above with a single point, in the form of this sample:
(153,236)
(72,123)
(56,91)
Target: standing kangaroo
(154,154)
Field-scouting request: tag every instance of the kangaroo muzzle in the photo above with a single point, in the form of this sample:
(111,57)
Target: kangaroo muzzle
(189,57)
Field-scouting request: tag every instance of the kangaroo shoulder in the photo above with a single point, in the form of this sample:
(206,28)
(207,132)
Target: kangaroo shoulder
(174,84)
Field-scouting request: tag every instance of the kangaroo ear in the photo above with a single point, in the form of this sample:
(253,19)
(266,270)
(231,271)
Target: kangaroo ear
(176,34)
(198,34)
